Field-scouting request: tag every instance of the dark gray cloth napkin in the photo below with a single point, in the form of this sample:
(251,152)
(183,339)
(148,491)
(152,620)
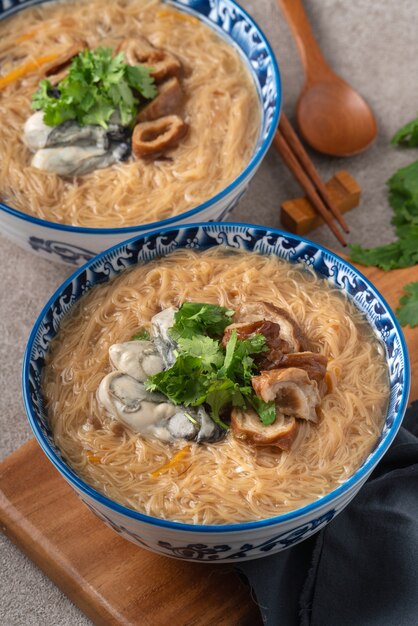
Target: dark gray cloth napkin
(361,569)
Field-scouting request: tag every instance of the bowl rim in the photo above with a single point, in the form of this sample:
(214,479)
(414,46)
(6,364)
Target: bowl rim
(356,478)
(255,160)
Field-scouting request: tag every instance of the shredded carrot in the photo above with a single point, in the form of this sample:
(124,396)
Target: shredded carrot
(92,458)
(26,36)
(56,26)
(178,16)
(172,462)
(26,68)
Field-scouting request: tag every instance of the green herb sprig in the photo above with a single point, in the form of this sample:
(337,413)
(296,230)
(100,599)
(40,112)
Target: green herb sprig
(141,335)
(207,373)
(403,198)
(408,310)
(195,318)
(407,135)
(97,85)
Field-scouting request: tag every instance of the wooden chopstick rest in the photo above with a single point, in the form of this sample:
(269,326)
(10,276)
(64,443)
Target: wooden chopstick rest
(299,216)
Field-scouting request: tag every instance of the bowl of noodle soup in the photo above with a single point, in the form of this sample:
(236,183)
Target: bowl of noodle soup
(230,102)
(223,499)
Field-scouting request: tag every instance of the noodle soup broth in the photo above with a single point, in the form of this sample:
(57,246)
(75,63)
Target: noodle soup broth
(221,109)
(231,480)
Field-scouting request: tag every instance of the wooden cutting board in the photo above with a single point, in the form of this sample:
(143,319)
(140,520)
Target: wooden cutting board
(111,580)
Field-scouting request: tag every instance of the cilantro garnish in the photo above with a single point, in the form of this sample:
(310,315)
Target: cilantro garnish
(141,335)
(207,373)
(265,410)
(203,347)
(98,84)
(408,311)
(407,135)
(183,383)
(403,198)
(195,318)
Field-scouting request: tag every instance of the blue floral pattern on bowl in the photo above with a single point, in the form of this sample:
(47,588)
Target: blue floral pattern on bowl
(229,542)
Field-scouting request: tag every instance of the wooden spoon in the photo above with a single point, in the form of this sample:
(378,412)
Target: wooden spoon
(332,117)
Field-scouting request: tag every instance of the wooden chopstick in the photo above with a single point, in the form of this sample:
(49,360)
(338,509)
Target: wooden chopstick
(303,179)
(290,150)
(300,152)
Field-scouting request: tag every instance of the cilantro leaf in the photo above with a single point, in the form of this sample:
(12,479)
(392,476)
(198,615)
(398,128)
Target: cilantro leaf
(195,318)
(400,253)
(42,94)
(230,349)
(183,383)
(265,410)
(407,135)
(386,257)
(97,85)
(238,363)
(403,197)
(57,113)
(99,114)
(221,394)
(408,311)
(141,335)
(205,348)
(253,345)
(403,186)
(140,79)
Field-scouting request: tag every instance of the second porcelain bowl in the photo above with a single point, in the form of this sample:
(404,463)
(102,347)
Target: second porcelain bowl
(76,245)
(228,542)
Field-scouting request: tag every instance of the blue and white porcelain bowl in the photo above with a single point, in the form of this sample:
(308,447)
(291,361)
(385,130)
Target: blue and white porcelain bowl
(229,542)
(76,245)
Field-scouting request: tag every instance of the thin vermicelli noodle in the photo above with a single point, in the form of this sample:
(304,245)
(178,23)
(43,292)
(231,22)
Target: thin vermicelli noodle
(228,481)
(221,108)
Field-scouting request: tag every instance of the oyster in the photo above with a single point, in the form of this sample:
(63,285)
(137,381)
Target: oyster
(139,359)
(77,160)
(38,135)
(165,345)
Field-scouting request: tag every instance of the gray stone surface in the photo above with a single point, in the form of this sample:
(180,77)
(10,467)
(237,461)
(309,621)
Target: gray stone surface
(373,45)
